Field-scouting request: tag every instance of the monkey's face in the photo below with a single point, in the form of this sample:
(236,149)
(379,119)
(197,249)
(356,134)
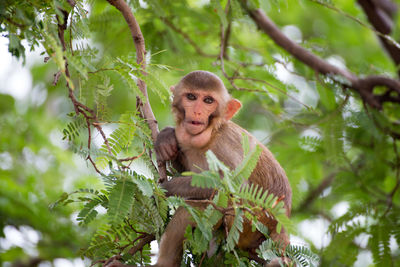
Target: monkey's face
(199,106)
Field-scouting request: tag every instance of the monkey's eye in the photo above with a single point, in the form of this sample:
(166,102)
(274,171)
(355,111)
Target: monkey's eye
(191,96)
(208,100)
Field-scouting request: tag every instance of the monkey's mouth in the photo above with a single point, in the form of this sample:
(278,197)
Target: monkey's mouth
(194,127)
(196,123)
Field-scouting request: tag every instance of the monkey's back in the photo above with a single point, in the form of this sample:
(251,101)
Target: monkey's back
(268,173)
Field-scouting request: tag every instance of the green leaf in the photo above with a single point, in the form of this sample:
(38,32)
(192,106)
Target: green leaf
(236,229)
(76,63)
(121,200)
(221,200)
(206,179)
(244,170)
(245,144)
(145,186)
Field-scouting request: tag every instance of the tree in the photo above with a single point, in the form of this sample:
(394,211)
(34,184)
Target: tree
(323,94)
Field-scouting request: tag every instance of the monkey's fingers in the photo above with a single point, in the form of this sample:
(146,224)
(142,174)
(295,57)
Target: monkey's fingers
(172,151)
(164,153)
(159,152)
(167,152)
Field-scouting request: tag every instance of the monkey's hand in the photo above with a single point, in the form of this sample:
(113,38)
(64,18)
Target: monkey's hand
(166,145)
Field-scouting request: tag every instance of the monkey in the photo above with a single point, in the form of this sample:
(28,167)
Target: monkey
(203,108)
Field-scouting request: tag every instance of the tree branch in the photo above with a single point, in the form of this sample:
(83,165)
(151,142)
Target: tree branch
(316,192)
(114,261)
(226,40)
(138,40)
(147,238)
(381,14)
(315,62)
(363,86)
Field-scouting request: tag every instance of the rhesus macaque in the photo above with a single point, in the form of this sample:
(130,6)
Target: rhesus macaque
(203,108)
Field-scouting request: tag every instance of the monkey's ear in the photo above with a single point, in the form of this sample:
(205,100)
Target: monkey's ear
(172,88)
(231,108)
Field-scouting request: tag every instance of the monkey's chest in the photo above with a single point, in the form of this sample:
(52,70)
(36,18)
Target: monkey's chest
(194,160)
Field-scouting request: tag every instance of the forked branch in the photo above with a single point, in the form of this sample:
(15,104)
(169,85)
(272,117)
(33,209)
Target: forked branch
(80,108)
(363,86)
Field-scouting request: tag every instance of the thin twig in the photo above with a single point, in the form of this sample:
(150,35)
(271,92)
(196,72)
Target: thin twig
(202,258)
(116,257)
(316,192)
(134,157)
(222,53)
(144,241)
(131,226)
(187,38)
(274,87)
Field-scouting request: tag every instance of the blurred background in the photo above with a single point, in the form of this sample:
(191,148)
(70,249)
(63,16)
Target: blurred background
(341,156)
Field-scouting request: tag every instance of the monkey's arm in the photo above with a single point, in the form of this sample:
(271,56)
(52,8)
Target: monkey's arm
(181,186)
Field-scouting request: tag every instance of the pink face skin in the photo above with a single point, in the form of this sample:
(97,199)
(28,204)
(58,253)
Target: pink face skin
(198,106)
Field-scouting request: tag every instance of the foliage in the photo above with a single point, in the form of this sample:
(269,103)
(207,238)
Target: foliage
(336,149)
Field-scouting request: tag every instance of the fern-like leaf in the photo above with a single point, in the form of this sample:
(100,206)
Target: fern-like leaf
(121,199)
(268,250)
(154,83)
(127,74)
(76,63)
(302,256)
(205,179)
(246,167)
(271,205)
(72,130)
(120,139)
(379,243)
(236,229)
(88,213)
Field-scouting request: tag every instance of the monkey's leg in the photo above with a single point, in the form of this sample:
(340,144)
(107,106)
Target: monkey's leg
(171,245)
